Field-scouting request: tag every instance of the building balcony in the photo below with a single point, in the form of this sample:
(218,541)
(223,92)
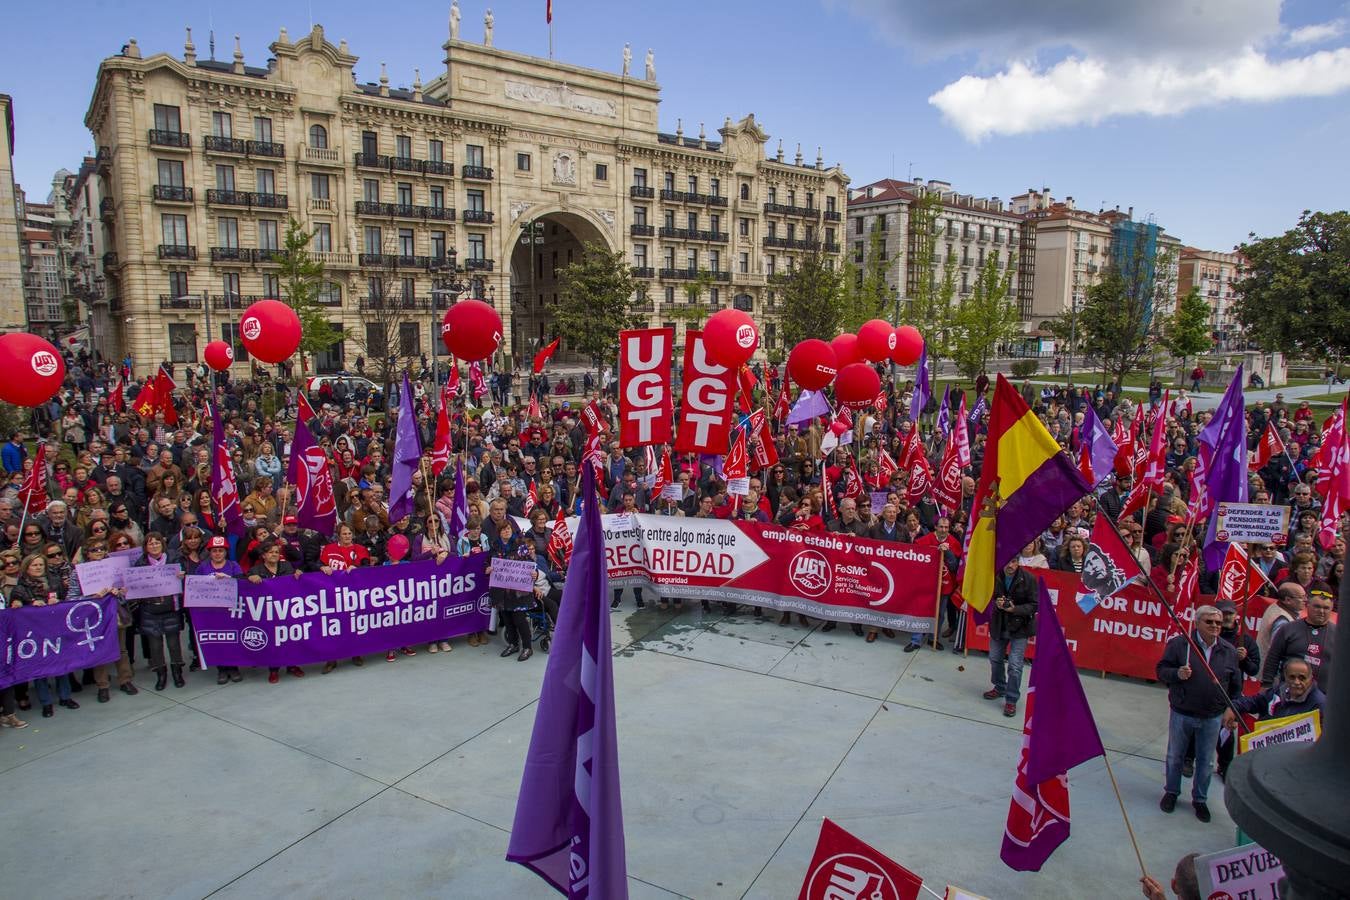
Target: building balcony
(712,237)
(411,261)
(438,213)
(475,173)
(715,200)
(399,302)
(404,164)
(269,255)
(672,195)
(691,274)
(231,254)
(107,208)
(695,197)
(643,306)
(320,204)
(641,192)
(831,247)
(438,167)
(268,201)
(477,264)
(642,230)
(110,260)
(643,272)
(678,234)
(784,209)
(178,140)
(478,216)
(214,143)
(791,243)
(320,156)
(376,259)
(233,301)
(333,259)
(216,197)
(171,193)
(177,251)
(372,161)
(169,301)
(374,208)
(104,159)
(832,215)
(266,148)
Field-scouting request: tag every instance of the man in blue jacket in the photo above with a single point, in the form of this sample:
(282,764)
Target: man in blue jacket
(1198,700)
(14,454)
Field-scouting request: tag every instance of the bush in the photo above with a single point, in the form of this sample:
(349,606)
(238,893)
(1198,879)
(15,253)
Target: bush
(1025,368)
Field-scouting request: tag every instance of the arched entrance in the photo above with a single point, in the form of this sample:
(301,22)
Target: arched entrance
(541,245)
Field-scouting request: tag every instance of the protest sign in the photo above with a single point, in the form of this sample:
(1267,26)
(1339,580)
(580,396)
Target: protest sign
(44,641)
(1255,523)
(878,502)
(202,591)
(1250,872)
(645,402)
(291,621)
(1301,729)
(98,574)
(152,581)
(514,574)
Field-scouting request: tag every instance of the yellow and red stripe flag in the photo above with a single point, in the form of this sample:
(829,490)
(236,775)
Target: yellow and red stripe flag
(1025,484)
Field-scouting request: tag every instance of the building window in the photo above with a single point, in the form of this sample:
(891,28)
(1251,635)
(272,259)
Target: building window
(330,294)
(318,186)
(670,296)
(714,222)
(473,155)
(267,181)
(227,232)
(409,339)
(318,137)
(744,228)
(791,231)
(408,288)
(668,181)
(403,146)
(229,333)
(174,229)
(267,234)
(374,239)
(810,200)
(715,187)
(714,297)
(829,204)
(715,260)
(668,257)
(438,245)
(221,125)
(858,225)
(405,242)
(170,173)
(601,172)
(229,283)
(405,197)
(475,200)
(167,118)
(271,286)
(745,192)
(224,178)
(477,246)
(639,177)
(370,143)
(376,344)
(183,343)
(691,260)
(370,190)
(773,230)
(691,222)
(773,195)
(438,198)
(323,237)
(693,184)
(375,287)
(670,218)
(178,283)
(262,129)
(769,264)
(640,255)
(744,265)
(639,215)
(881,222)
(522,162)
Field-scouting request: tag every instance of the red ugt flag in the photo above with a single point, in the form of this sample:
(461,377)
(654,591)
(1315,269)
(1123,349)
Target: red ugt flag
(844,866)
(1270,447)
(559,547)
(33,494)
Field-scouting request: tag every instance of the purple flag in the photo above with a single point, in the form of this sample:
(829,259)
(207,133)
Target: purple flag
(405,458)
(809,405)
(944,416)
(1101,450)
(923,392)
(459,513)
(1223,459)
(224,488)
(311,476)
(979,410)
(569,816)
(1058,733)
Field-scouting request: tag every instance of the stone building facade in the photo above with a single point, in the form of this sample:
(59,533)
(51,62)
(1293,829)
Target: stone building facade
(483,181)
(11,255)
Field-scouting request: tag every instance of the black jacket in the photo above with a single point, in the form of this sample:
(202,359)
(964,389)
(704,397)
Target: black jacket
(1274,703)
(1020,621)
(1200,696)
(1251,666)
(1298,638)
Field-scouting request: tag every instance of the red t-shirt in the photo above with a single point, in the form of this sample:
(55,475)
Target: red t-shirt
(338,557)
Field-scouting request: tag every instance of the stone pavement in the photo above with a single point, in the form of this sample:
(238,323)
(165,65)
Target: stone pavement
(736,737)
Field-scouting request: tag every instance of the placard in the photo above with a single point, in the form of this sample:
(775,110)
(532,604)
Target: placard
(99,574)
(210,591)
(1254,523)
(879,501)
(1251,872)
(152,581)
(513,574)
(1304,728)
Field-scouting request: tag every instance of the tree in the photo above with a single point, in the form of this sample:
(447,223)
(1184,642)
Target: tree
(1119,315)
(987,319)
(302,278)
(931,292)
(593,305)
(867,295)
(693,312)
(811,295)
(1187,332)
(1296,296)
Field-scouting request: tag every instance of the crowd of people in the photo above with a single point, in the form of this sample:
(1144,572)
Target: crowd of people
(120,481)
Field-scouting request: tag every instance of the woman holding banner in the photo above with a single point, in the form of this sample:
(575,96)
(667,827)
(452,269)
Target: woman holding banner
(158,619)
(219,564)
(339,556)
(271,565)
(38,587)
(513,605)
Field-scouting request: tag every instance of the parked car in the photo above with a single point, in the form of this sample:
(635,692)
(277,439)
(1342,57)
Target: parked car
(343,388)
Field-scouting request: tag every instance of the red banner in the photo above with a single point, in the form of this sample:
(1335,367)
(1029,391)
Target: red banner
(645,403)
(705,409)
(844,866)
(1124,635)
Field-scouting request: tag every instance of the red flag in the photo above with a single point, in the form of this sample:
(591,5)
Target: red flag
(452,386)
(827,510)
(947,484)
(534,412)
(782,407)
(881,402)
(33,494)
(1233,579)
(1269,447)
(147,399)
(747,382)
(476,379)
(853,483)
(531,499)
(440,450)
(1152,479)
(844,866)
(912,447)
(1336,463)
(920,479)
(960,436)
(737,463)
(304,411)
(543,355)
(664,476)
(1108,565)
(886,468)
(548,17)
(559,546)
(118,399)
(763,453)
(164,388)
(593,417)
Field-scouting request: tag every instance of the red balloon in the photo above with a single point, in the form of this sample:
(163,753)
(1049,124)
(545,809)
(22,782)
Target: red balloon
(857,385)
(846,350)
(876,340)
(472,330)
(33,369)
(812,364)
(270,331)
(730,337)
(219,355)
(908,345)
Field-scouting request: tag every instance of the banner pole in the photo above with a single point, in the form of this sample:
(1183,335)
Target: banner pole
(937,608)
(1124,815)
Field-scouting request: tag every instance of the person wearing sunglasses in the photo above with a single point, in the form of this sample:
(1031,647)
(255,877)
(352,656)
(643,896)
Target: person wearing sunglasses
(31,539)
(37,587)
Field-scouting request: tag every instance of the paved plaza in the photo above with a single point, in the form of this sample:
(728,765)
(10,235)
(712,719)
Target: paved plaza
(735,738)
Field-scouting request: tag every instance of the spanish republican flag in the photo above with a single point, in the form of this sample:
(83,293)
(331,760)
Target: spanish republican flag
(1025,484)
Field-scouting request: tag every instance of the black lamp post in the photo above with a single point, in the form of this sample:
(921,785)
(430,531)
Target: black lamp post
(1294,800)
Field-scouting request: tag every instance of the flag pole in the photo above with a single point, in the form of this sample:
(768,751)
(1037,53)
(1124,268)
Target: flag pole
(1106,757)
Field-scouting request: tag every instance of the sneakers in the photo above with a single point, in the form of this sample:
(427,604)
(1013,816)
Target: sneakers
(235,677)
(273,677)
(445,647)
(1009,710)
(1201,811)
(390,657)
(432,648)
(992,694)
(407,651)
(12,721)
(1169,803)
(295,671)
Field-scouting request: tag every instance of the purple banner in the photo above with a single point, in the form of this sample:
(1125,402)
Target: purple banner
(296,621)
(43,641)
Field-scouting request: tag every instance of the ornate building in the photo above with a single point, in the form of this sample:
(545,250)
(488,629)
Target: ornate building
(488,177)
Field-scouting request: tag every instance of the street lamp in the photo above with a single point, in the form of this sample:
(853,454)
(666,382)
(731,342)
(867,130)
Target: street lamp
(449,286)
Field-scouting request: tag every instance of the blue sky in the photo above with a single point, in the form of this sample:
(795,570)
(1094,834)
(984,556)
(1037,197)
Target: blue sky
(1218,117)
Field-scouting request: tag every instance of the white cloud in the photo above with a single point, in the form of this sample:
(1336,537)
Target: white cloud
(1316,34)
(1082,90)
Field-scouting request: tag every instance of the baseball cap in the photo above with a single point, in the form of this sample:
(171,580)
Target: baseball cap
(217,542)
(290,520)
